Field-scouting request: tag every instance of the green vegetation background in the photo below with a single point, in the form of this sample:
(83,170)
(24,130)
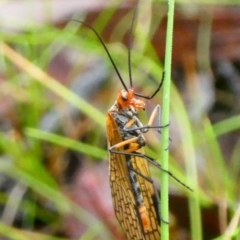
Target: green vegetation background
(28,92)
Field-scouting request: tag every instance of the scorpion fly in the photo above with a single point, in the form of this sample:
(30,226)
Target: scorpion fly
(135,200)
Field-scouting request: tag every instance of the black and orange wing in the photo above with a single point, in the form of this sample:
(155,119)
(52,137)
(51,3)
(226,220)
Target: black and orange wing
(126,209)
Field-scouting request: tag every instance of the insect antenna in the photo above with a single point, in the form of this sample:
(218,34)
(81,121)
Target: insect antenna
(129,59)
(155,92)
(130,44)
(106,50)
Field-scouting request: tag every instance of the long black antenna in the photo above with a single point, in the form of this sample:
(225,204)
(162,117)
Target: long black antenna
(130,44)
(108,53)
(155,92)
(129,59)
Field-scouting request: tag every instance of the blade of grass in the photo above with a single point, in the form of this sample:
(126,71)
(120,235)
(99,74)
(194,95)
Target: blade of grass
(227,126)
(61,202)
(51,83)
(14,233)
(187,134)
(165,120)
(189,155)
(67,142)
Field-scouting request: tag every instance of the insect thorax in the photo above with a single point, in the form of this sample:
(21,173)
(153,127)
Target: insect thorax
(127,120)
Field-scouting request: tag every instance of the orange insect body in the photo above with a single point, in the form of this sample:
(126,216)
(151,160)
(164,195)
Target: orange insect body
(134,197)
(144,217)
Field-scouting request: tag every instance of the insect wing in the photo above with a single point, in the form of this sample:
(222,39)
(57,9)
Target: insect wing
(123,199)
(136,223)
(151,201)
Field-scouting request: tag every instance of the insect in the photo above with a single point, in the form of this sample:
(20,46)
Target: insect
(135,199)
(134,196)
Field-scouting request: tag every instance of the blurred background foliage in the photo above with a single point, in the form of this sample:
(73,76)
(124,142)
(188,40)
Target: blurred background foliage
(56,85)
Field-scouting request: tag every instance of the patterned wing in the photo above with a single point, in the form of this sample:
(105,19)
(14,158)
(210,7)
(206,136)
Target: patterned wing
(123,199)
(150,197)
(137,223)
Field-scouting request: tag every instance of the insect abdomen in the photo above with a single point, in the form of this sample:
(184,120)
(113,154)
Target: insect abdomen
(138,197)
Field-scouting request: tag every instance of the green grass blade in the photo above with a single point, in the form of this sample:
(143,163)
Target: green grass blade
(165,120)
(67,142)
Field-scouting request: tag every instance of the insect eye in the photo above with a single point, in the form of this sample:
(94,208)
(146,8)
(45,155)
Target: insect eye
(124,96)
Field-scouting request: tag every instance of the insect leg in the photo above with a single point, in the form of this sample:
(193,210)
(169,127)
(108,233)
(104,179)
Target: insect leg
(152,161)
(140,174)
(145,128)
(124,143)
